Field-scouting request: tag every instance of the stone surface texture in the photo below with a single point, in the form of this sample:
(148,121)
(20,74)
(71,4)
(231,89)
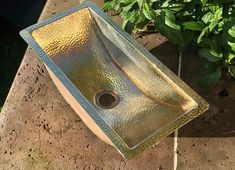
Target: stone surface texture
(39,130)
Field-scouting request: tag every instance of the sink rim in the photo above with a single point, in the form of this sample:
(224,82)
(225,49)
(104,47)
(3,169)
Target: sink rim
(120,145)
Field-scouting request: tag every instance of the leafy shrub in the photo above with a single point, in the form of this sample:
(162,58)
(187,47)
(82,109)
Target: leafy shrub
(206,25)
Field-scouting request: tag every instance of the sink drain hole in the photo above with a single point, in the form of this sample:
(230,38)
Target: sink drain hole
(107,99)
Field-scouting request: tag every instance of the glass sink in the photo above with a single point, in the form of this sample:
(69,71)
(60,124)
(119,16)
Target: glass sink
(126,96)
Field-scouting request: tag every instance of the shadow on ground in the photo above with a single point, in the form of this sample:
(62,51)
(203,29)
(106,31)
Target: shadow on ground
(14,16)
(219,120)
(12,49)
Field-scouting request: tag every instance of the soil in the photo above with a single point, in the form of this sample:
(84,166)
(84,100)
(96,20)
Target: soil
(207,142)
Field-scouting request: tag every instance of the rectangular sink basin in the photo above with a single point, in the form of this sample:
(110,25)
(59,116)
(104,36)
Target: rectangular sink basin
(125,95)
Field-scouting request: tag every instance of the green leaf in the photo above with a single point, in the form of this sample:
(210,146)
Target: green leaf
(193,25)
(232,45)
(230,57)
(212,44)
(218,13)
(210,55)
(111,5)
(232,70)
(128,26)
(140,3)
(131,16)
(148,12)
(211,79)
(141,21)
(204,31)
(170,19)
(207,24)
(213,7)
(216,18)
(186,14)
(169,14)
(124,3)
(231,31)
(220,25)
(204,2)
(176,6)
(108,6)
(117,7)
(172,24)
(212,25)
(207,17)
(127,5)
(170,31)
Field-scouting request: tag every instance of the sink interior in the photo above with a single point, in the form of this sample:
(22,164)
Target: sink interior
(130,93)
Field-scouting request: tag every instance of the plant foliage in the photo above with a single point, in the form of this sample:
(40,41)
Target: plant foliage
(207,25)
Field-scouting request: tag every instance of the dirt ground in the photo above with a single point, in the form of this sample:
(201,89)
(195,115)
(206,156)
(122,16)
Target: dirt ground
(208,142)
